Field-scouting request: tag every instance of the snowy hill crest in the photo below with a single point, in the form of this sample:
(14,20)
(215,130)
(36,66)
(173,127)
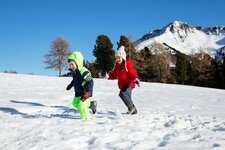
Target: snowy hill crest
(186,38)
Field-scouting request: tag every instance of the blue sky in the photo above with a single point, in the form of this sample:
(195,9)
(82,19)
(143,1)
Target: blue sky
(27,27)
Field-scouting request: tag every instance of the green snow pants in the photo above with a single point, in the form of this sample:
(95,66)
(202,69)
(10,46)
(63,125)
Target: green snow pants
(83,107)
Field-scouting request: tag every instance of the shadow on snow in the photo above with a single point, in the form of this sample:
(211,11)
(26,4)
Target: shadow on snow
(66,114)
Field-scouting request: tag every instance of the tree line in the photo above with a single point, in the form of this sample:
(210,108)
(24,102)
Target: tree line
(153,64)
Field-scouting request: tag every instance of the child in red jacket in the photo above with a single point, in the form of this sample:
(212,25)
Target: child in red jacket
(127,77)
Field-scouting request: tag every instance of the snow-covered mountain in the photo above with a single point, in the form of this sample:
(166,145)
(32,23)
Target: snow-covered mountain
(187,39)
(36,113)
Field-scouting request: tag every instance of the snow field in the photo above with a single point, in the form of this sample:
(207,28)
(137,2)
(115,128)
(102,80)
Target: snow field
(36,113)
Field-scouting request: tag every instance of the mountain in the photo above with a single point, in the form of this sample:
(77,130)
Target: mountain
(187,39)
(36,113)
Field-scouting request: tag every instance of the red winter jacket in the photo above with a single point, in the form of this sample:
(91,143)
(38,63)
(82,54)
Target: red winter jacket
(124,77)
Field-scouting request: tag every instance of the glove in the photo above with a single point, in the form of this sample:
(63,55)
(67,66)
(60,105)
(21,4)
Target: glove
(85,96)
(137,81)
(69,87)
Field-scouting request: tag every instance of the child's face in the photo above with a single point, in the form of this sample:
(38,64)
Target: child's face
(73,65)
(119,60)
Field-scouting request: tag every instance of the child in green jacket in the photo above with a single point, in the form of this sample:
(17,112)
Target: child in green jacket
(82,83)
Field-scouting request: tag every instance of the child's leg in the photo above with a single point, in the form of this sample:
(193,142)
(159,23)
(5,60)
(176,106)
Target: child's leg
(125,95)
(84,109)
(93,106)
(76,101)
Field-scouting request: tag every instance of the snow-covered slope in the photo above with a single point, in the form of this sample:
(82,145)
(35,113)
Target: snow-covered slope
(186,38)
(36,113)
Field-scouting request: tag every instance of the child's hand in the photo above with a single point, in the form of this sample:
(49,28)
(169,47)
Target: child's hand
(69,87)
(137,81)
(106,76)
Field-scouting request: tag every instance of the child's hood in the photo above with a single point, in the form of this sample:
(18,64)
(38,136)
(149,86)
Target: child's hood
(78,58)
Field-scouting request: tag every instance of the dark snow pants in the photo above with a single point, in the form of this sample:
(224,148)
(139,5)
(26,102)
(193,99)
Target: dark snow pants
(125,95)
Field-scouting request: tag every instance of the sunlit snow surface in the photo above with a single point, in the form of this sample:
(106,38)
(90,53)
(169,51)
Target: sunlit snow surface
(36,113)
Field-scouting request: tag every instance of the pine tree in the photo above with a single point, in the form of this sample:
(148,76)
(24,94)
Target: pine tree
(92,69)
(182,68)
(145,71)
(57,56)
(220,73)
(104,53)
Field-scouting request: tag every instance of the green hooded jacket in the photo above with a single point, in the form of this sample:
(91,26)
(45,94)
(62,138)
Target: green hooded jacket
(82,80)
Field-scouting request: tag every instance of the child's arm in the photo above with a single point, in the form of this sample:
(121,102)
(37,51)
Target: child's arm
(88,85)
(113,75)
(70,85)
(132,72)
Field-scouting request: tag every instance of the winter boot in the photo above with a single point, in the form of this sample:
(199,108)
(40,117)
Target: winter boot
(132,110)
(93,106)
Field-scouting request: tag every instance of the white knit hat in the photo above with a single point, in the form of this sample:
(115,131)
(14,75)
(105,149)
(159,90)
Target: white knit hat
(121,52)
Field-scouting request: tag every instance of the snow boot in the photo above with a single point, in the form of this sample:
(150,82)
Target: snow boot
(132,110)
(93,106)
